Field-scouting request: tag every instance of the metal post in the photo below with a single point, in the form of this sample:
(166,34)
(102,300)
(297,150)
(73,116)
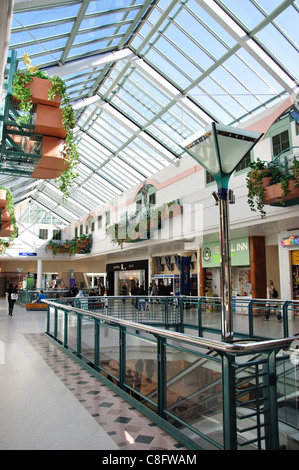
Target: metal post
(229,402)
(225,267)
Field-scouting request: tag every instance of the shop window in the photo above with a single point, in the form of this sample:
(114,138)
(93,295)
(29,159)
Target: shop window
(280,142)
(56,235)
(43,234)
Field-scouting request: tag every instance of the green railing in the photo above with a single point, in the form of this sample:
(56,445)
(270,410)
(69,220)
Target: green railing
(193,315)
(206,393)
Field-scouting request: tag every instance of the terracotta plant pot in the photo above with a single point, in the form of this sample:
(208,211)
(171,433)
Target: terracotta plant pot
(266,181)
(6,230)
(82,244)
(39,88)
(5,216)
(3,200)
(52,162)
(273,193)
(45,173)
(48,121)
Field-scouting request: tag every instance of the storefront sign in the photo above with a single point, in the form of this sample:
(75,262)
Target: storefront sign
(240,255)
(127,266)
(27,254)
(290,241)
(295,258)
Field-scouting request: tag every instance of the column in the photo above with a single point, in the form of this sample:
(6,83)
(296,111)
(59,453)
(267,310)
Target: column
(39,274)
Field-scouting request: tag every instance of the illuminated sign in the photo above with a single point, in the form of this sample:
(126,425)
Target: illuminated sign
(240,253)
(290,241)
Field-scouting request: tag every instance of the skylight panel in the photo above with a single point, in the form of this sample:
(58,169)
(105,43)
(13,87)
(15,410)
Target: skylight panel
(281,48)
(246,11)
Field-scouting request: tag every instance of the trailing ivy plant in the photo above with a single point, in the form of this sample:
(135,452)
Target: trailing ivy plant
(10,209)
(23,94)
(256,191)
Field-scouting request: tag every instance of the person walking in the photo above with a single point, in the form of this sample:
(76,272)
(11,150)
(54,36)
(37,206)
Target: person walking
(12,296)
(272,294)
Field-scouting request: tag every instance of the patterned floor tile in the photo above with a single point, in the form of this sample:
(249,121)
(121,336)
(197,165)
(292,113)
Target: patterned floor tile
(128,427)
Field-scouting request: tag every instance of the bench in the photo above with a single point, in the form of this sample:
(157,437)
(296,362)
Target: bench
(36,306)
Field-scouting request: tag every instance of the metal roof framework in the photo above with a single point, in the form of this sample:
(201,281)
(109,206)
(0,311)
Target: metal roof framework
(144,75)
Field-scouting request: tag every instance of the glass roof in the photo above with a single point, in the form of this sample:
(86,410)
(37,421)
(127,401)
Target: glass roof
(144,75)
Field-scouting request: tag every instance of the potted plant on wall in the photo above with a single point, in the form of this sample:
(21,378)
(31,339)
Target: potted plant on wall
(256,189)
(11,231)
(295,171)
(57,96)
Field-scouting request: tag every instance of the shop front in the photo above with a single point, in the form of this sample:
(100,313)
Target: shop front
(124,278)
(295,274)
(241,269)
(290,245)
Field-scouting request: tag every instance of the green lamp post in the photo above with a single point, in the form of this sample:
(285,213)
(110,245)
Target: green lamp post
(219,149)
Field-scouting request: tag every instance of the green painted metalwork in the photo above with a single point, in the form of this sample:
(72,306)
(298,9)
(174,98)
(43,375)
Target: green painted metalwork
(20,149)
(229,402)
(244,378)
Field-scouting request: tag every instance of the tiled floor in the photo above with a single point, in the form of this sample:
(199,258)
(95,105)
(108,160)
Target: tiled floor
(128,428)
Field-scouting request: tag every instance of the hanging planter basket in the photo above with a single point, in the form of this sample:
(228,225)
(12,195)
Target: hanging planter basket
(40,87)
(3,198)
(5,215)
(274,193)
(52,162)
(48,121)
(6,230)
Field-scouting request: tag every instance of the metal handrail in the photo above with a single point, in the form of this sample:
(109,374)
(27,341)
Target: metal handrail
(232,348)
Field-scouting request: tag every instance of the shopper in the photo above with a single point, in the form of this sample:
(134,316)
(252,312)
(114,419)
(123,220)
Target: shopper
(74,290)
(12,296)
(41,296)
(272,294)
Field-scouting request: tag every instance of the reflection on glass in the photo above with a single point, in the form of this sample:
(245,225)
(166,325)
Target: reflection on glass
(141,367)
(60,325)
(72,332)
(109,351)
(194,392)
(87,339)
(51,324)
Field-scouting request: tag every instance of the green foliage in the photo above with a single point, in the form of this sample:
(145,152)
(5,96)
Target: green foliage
(256,191)
(71,247)
(278,175)
(10,209)
(23,93)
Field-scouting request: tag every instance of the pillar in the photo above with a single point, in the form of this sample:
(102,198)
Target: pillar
(258,267)
(39,274)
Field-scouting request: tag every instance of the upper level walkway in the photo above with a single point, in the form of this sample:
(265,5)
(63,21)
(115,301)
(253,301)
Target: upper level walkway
(49,402)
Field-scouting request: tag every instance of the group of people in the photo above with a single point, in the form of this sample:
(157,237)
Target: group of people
(75,292)
(159,289)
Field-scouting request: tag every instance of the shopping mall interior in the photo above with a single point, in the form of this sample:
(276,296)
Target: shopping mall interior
(150,159)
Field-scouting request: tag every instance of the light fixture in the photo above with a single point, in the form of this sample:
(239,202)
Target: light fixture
(20,270)
(219,149)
